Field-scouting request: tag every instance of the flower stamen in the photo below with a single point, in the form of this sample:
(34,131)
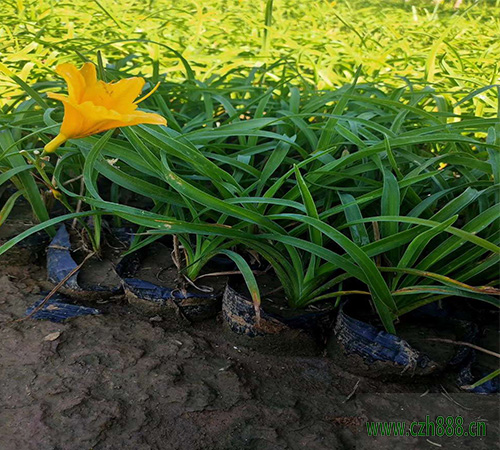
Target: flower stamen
(151,92)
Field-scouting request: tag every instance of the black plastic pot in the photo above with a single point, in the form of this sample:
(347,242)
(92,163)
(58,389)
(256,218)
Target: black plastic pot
(473,372)
(368,350)
(28,250)
(35,243)
(239,313)
(374,351)
(269,334)
(193,305)
(60,264)
(58,309)
(479,364)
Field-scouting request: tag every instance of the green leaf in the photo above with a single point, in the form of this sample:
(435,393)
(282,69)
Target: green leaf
(483,380)
(7,175)
(248,276)
(185,151)
(352,213)
(30,188)
(382,298)
(273,163)
(7,207)
(309,205)
(391,200)
(205,199)
(418,245)
(43,226)
(329,130)
(462,234)
(447,291)
(89,172)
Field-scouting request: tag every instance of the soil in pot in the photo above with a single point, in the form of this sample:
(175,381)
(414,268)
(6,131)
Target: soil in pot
(421,334)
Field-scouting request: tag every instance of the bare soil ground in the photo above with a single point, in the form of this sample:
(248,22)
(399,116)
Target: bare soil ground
(129,380)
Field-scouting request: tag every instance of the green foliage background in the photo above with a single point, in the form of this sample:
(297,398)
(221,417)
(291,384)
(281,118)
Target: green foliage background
(321,41)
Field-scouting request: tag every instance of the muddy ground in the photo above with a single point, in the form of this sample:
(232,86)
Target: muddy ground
(128,380)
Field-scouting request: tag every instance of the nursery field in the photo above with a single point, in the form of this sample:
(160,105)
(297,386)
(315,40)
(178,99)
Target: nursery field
(261,225)
(320,42)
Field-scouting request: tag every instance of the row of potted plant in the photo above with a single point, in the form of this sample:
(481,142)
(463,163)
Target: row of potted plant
(356,192)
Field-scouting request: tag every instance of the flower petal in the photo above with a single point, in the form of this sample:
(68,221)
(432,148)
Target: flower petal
(60,97)
(74,122)
(74,79)
(86,118)
(98,94)
(144,117)
(54,144)
(89,74)
(124,92)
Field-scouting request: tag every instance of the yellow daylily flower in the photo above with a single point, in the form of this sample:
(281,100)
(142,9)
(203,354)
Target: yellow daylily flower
(92,106)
